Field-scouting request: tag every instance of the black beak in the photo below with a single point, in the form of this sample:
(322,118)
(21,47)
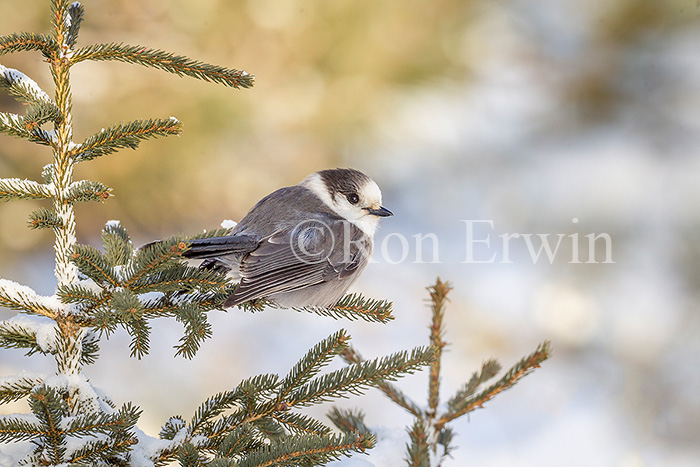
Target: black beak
(381,212)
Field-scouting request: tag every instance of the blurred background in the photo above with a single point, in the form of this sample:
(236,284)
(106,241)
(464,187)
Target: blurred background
(550,117)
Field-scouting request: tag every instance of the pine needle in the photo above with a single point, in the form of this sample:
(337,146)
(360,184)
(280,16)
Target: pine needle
(124,135)
(348,421)
(355,306)
(521,369)
(166,61)
(24,41)
(15,188)
(438,297)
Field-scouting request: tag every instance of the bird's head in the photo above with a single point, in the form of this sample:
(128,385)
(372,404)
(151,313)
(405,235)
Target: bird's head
(350,194)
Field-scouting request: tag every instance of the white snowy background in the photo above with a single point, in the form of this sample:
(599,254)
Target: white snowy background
(509,142)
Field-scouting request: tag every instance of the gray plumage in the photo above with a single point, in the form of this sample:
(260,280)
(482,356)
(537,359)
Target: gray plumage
(302,245)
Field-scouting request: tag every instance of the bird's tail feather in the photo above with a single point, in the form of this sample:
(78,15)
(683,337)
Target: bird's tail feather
(202,248)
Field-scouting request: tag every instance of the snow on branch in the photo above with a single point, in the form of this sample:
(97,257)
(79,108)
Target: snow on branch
(13,124)
(16,387)
(23,298)
(22,86)
(15,188)
(87,190)
(35,333)
(41,109)
(74,18)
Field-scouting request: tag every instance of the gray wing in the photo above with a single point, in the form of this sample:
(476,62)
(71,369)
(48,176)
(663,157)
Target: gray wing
(277,211)
(318,252)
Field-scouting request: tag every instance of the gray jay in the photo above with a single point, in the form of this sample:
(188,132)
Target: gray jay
(302,245)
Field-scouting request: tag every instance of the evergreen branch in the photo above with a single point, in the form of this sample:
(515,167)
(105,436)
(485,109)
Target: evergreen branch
(87,190)
(68,351)
(150,259)
(89,425)
(418,450)
(128,311)
(76,13)
(117,244)
(39,136)
(308,450)
(48,406)
(80,294)
(300,424)
(251,390)
(188,456)
(22,298)
(197,328)
(43,218)
(90,349)
(253,306)
(13,125)
(220,232)
(248,393)
(93,264)
(241,439)
(124,135)
(61,20)
(354,379)
(355,306)
(438,297)
(126,305)
(512,376)
(172,428)
(15,336)
(348,421)
(161,306)
(225,425)
(178,278)
(175,427)
(16,429)
(212,407)
(15,188)
(13,388)
(268,427)
(489,369)
(400,398)
(24,41)
(444,438)
(37,114)
(223,462)
(92,452)
(165,61)
(312,363)
(139,330)
(169,303)
(351,356)
(47,173)
(41,108)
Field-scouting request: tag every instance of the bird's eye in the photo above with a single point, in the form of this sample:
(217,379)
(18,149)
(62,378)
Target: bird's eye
(353,198)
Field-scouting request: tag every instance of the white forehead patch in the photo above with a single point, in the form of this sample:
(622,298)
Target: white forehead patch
(372,193)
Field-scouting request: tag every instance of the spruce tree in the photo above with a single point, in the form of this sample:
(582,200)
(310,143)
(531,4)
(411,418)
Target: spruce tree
(257,423)
(430,436)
